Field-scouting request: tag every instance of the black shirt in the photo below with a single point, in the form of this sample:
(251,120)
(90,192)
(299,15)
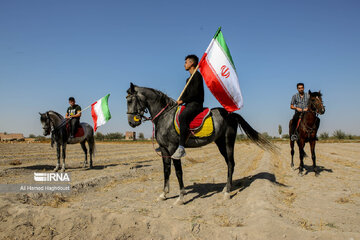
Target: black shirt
(195,91)
(73,110)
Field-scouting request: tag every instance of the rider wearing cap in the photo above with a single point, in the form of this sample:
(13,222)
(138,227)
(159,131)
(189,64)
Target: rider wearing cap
(73,113)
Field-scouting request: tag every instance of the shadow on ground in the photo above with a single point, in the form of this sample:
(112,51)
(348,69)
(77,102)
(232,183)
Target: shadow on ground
(205,190)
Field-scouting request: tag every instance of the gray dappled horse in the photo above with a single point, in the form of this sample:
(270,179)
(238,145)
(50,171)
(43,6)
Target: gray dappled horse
(141,99)
(307,130)
(55,124)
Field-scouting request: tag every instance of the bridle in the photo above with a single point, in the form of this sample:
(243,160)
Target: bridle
(313,108)
(141,109)
(51,129)
(49,124)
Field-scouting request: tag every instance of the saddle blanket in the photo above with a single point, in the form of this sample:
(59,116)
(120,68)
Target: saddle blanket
(201,126)
(79,132)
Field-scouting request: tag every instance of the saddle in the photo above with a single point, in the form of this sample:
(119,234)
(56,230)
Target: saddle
(79,131)
(201,126)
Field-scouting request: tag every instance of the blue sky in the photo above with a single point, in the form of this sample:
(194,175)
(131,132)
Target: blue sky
(50,50)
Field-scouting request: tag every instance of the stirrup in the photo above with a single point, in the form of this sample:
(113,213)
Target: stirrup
(294,137)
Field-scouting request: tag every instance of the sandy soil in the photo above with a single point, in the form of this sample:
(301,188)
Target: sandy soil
(118,199)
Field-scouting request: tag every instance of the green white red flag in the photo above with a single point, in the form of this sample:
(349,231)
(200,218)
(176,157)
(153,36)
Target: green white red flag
(219,73)
(100,112)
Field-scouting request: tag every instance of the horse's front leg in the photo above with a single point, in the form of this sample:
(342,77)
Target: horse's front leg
(313,156)
(179,175)
(292,154)
(63,157)
(58,157)
(302,155)
(167,171)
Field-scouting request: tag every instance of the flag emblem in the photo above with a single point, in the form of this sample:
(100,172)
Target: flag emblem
(225,71)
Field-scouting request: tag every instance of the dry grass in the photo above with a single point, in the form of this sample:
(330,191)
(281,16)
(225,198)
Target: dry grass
(343,200)
(15,162)
(225,221)
(306,225)
(289,197)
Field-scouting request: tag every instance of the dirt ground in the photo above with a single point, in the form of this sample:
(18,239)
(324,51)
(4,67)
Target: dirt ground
(118,198)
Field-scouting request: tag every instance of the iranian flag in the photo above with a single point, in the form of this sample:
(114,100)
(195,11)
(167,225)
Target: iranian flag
(219,73)
(100,112)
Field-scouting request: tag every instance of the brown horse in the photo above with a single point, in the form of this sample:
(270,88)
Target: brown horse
(307,130)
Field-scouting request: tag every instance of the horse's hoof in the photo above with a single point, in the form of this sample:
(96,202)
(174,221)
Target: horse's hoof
(162,197)
(63,170)
(55,169)
(227,196)
(179,202)
(301,173)
(91,167)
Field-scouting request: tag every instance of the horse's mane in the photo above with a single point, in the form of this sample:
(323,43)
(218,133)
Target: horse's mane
(57,114)
(161,97)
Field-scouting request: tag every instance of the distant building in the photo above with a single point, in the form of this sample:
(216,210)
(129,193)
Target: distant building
(12,137)
(130,136)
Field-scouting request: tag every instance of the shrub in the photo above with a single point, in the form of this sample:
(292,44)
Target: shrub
(338,134)
(324,135)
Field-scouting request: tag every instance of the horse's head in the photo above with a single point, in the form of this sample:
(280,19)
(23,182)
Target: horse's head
(135,106)
(45,122)
(316,103)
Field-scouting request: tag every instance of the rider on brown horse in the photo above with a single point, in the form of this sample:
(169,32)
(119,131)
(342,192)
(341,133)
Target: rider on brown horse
(298,103)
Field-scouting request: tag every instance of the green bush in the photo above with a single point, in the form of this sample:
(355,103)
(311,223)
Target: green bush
(324,135)
(338,134)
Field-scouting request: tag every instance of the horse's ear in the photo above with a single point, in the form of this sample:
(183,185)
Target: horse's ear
(132,87)
(309,91)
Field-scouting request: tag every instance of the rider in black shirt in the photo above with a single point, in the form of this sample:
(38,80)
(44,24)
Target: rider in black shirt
(193,98)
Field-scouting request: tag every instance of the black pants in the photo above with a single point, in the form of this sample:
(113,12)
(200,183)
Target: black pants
(192,109)
(74,124)
(295,122)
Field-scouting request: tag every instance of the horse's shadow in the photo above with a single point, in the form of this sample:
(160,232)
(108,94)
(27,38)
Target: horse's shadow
(205,190)
(319,169)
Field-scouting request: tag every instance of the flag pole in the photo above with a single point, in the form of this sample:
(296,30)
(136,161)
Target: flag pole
(85,108)
(188,82)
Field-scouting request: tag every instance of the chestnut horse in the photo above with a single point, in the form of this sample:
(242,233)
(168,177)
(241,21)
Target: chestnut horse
(307,130)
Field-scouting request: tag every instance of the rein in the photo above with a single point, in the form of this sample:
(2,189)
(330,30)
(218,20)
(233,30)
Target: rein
(311,129)
(143,109)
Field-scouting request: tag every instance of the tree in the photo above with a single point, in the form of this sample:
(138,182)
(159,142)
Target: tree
(32,135)
(114,136)
(141,136)
(266,135)
(286,136)
(241,136)
(339,134)
(99,136)
(324,135)
(280,130)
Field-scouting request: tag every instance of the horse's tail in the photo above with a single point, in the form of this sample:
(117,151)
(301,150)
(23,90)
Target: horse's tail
(253,135)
